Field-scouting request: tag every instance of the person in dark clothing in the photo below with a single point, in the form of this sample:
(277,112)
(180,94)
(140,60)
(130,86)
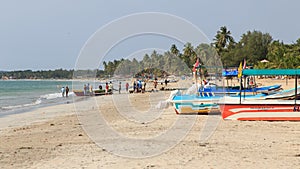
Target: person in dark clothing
(67,91)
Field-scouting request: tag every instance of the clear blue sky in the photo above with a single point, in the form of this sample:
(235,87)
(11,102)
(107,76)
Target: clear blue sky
(49,34)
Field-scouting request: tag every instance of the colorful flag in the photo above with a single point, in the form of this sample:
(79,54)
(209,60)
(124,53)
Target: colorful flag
(196,65)
(240,70)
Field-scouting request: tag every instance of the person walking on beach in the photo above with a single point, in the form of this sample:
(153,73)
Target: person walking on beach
(91,90)
(155,84)
(63,91)
(119,87)
(111,87)
(88,88)
(127,86)
(134,86)
(106,88)
(67,91)
(84,89)
(166,82)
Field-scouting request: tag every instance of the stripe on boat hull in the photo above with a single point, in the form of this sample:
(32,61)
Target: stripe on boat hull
(260,112)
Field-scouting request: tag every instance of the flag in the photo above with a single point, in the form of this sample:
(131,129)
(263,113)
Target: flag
(196,65)
(240,69)
(244,66)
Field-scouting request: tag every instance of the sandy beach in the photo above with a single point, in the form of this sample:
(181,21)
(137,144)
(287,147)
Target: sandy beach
(60,137)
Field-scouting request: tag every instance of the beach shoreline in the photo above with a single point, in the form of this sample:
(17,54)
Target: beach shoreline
(54,137)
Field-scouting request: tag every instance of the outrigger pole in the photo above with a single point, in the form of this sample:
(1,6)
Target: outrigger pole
(296,89)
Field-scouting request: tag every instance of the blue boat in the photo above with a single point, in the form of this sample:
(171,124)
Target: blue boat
(189,104)
(218,90)
(206,100)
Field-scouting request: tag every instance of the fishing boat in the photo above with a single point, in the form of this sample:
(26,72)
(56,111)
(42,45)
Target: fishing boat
(268,109)
(220,90)
(96,92)
(195,104)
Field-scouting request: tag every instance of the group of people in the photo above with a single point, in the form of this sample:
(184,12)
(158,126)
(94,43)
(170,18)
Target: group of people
(109,88)
(139,86)
(65,90)
(87,89)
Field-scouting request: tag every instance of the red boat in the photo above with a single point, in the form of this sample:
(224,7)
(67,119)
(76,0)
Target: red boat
(270,110)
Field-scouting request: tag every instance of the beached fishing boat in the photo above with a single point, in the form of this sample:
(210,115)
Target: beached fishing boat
(254,109)
(96,92)
(260,110)
(190,104)
(207,98)
(220,90)
(205,102)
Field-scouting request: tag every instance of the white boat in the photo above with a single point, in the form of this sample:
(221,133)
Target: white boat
(267,109)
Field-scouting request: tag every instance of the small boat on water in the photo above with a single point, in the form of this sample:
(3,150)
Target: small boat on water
(274,107)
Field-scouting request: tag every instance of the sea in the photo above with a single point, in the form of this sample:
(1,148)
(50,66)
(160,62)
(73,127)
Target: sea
(19,96)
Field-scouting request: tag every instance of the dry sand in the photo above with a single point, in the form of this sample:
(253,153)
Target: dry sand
(53,137)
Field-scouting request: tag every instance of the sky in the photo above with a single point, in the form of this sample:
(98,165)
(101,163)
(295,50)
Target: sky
(50,34)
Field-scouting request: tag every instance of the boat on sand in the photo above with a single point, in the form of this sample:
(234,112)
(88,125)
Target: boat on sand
(96,92)
(269,109)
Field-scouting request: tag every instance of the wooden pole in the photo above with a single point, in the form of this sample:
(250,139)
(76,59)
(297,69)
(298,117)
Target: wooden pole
(196,82)
(241,83)
(296,91)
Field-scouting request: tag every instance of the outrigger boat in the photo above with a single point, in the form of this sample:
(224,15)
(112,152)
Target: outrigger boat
(208,96)
(219,90)
(96,92)
(195,104)
(254,109)
(206,101)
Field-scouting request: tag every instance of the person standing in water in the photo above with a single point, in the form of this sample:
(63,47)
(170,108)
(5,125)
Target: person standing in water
(67,91)
(63,91)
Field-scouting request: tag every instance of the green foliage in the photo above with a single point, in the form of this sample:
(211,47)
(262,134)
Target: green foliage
(253,47)
(222,39)
(44,74)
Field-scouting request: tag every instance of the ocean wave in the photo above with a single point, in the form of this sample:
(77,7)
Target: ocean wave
(46,98)
(37,102)
(54,96)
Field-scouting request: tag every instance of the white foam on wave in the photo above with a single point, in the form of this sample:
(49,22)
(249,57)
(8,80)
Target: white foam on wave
(50,96)
(38,101)
(54,95)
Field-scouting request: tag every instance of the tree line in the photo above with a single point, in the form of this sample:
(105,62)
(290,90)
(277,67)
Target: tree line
(255,46)
(40,74)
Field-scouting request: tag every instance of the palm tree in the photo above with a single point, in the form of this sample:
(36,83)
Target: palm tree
(189,55)
(174,50)
(222,39)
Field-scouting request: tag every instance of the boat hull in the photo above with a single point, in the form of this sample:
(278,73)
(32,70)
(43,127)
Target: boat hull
(94,93)
(192,104)
(268,112)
